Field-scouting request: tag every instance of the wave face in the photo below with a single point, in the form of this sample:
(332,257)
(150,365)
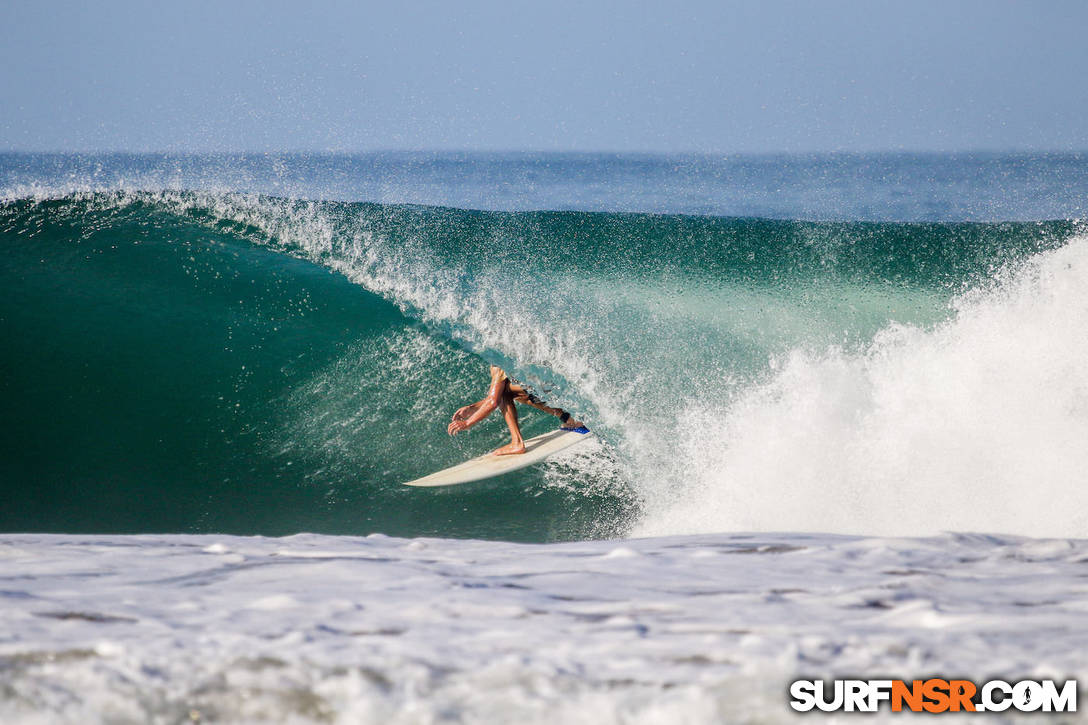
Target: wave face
(192,361)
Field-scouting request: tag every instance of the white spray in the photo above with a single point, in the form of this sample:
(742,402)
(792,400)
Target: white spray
(978,424)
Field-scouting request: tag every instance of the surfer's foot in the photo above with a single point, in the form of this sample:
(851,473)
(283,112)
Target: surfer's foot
(510,449)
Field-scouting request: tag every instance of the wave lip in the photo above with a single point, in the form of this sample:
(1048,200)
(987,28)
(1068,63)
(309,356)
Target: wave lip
(847,187)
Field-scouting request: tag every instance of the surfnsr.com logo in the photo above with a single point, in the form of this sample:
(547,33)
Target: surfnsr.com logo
(933,695)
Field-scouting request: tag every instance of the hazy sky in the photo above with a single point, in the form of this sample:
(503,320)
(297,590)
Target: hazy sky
(709,76)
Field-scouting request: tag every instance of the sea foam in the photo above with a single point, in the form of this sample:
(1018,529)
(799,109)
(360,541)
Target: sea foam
(976,424)
(695,629)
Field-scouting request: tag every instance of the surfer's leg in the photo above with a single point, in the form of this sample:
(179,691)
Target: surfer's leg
(510,415)
(524,396)
(567,422)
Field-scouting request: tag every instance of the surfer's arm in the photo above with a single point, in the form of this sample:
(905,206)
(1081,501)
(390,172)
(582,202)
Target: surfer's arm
(467,410)
(480,409)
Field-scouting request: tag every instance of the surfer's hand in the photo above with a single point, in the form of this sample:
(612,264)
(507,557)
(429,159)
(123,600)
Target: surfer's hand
(463,412)
(456,426)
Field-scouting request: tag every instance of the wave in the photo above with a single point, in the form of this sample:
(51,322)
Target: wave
(199,361)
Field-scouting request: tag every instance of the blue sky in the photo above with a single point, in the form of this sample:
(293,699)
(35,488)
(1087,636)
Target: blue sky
(716,77)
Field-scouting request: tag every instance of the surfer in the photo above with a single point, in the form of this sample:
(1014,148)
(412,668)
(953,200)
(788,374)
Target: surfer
(501,395)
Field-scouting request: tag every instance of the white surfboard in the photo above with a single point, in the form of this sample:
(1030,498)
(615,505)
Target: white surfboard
(488,466)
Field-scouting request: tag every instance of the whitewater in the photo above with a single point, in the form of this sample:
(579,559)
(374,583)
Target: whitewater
(166,629)
(923,431)
(840,401)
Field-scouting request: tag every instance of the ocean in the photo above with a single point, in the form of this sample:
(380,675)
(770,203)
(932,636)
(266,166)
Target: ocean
(866,372)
